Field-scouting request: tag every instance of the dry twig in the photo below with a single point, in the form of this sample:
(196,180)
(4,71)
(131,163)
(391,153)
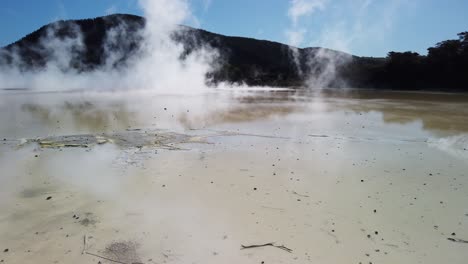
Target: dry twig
(84,245)
(268,245)
(95,255)
(457,240)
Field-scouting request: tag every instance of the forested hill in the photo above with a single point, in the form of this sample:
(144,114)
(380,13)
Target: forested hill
(249,61)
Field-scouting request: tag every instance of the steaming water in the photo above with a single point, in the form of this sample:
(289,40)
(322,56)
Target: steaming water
(350,177)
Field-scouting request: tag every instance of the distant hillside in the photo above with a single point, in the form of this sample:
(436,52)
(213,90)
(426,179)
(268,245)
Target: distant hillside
(251,61)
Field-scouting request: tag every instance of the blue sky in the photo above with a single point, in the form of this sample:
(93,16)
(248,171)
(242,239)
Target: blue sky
(361,27)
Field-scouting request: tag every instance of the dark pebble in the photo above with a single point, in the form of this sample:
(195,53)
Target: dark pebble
(453,234)
(6,250)
(48,198)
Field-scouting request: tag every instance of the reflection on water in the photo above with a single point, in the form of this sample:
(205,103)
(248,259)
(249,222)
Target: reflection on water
(85,116)
(34,114)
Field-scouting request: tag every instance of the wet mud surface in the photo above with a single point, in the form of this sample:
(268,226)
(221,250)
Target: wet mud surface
(251,178)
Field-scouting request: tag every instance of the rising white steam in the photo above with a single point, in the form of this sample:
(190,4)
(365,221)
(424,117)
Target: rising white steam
(295,34)
(355,23)
(303,8)
(321,63)
(157,67)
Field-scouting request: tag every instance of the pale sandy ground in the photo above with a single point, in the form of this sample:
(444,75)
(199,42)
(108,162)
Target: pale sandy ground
(355,178)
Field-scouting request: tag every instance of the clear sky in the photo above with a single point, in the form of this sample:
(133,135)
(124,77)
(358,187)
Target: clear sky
(361,27)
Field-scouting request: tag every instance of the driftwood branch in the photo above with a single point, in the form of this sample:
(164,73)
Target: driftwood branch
(95,255)
(319,136)
(268,245)
(84,245)
(457,240)
(302,195)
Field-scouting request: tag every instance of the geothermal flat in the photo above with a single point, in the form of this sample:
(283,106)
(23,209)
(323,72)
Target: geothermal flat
(233,177)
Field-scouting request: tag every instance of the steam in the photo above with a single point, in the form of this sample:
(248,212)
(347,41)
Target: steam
(156,66)
(299,9)
(161,65)
(302,8)
(453,145)
(322,64)
(354,26)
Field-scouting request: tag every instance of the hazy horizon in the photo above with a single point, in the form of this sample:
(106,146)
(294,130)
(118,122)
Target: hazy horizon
(363,28)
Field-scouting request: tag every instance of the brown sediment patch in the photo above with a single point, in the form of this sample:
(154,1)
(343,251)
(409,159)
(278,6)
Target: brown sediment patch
(35,192)
(123,251)
(89,220)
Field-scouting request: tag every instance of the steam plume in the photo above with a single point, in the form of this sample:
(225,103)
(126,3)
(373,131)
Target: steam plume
(157,64)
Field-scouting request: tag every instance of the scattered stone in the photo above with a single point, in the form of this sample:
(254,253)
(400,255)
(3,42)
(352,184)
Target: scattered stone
(6,250)
(48,198)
